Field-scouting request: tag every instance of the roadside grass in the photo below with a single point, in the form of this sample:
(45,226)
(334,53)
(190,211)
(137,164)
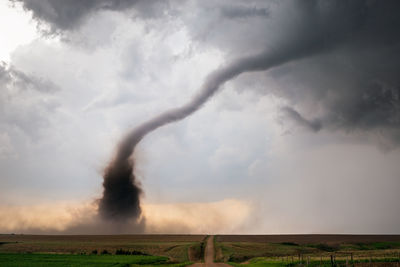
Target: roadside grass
(268,262)
(196,252)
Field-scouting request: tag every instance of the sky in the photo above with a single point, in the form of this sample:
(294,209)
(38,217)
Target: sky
(301,134)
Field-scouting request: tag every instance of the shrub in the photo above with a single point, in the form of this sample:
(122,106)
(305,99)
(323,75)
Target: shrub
(104,252)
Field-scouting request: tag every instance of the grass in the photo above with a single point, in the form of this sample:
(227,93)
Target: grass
(242,251)
(22,260)
(284,253)
(176,251)
(313,262)
(175,247)
(373,246)
(138,250)
(196,252)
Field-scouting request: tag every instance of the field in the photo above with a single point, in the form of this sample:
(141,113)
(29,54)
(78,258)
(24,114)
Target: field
(22,260)
(183,250)
(106,250)
(312,250)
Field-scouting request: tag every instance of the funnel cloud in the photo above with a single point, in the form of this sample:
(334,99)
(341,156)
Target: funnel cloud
(121,197)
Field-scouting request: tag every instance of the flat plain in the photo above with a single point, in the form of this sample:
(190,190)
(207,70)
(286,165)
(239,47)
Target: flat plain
(184,250)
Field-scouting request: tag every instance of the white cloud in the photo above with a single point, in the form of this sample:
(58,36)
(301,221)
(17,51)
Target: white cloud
(16,28)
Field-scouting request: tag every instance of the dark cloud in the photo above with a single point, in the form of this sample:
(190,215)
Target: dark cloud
(354,45)
(66,15)
(344,62)
(243,12)
(313,125)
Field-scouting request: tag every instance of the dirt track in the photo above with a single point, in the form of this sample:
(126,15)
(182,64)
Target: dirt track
(209,256)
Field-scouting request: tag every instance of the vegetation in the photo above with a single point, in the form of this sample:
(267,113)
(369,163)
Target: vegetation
(118,250)
(308,250)
(196,252)
(313,262)
(22,260)
(173,247)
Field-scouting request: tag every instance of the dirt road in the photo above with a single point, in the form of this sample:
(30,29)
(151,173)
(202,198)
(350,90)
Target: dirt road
(209,256)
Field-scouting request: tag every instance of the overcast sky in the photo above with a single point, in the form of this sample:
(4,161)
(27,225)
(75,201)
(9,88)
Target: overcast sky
(308,145)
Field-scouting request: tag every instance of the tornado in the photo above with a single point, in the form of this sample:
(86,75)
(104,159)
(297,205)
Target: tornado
(122,190)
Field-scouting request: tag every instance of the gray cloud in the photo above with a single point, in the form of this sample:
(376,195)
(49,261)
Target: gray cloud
(359,36)
(66,15)
(313,125)
(22,101)
(243,12)
(9,75)
(343,58)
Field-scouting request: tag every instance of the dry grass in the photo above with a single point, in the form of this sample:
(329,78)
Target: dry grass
(174,247)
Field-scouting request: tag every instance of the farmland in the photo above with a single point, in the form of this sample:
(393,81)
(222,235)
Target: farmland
(183,250)
(97,250)
(22,260)
(312,250)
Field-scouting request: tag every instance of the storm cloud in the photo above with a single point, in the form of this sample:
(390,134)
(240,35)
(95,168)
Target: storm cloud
(330,66)
(67,15)
(344,61)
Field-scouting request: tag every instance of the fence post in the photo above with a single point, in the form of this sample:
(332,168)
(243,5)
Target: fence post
(332,260)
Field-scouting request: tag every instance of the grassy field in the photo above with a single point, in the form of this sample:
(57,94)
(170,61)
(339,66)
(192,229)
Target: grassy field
(294,250)
(22,260)
(100,250)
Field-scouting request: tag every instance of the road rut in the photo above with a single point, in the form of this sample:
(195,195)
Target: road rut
(209,256)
